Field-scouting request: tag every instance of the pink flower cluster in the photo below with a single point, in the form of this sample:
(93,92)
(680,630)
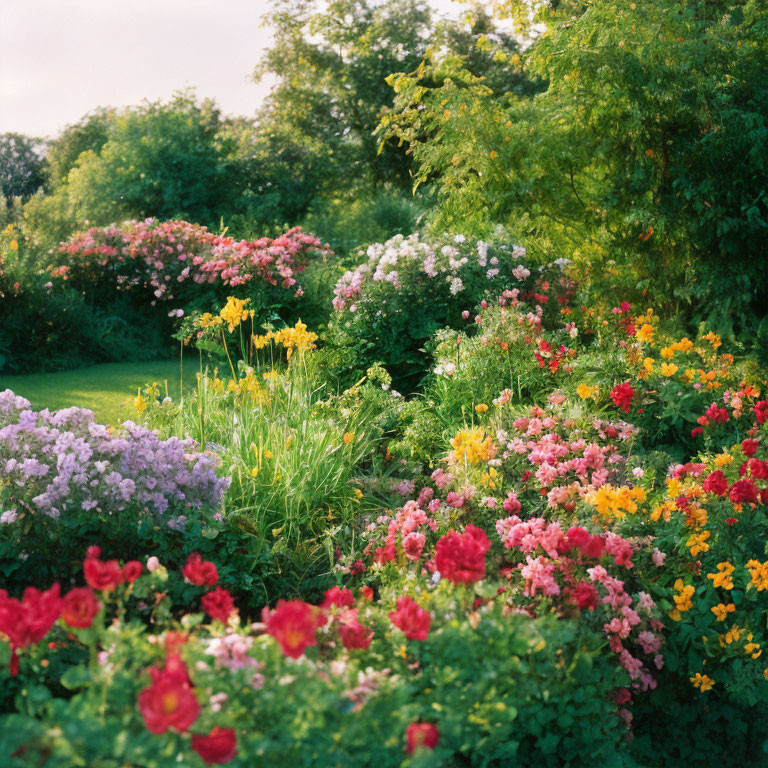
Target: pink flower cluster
(567,463)
(559,572)
(404,527)
(157,256)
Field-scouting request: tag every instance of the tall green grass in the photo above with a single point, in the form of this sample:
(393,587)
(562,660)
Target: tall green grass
(295,458)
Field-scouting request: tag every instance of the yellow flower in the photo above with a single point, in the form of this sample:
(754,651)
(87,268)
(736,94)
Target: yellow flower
(298,337)
(702,682)
(645,333)
(268,454)
(667,353)
(348,437)
(140,403)
(683,597)
(259,342)
(753,649)
(723,459)
(674,487)
(472,446)
(684,345)
(14,245)
(481,407)
(584,391)
(697,542)
(234,312)
(759,573)
(713,339)
(723,576)
(663,510)
(648,364)
(721,610)
(254,472)
(668,369)
(207,320)
(616,502)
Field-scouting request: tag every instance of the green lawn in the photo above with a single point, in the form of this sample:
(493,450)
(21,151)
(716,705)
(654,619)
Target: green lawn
(108,390)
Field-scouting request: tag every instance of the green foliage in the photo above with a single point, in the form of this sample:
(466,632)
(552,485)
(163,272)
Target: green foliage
(22,165)
(294,455)
(47,327)
(162,160)
(645,148)
(89,134)
(331,66)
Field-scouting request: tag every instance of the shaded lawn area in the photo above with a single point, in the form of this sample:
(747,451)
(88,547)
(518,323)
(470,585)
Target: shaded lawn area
(108,389)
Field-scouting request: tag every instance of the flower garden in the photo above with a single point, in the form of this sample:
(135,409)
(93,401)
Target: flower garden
(552,551)
(417,418)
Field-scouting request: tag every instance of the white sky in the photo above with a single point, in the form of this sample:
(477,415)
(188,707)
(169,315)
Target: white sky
(62,58)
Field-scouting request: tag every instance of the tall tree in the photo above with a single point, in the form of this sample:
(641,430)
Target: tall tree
(163,159)
(331,61)
(22,165)
(649,146)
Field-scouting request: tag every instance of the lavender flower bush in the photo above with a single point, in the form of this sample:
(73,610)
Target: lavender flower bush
(62,462)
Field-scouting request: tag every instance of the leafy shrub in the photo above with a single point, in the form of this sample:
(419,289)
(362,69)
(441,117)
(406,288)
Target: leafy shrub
(46,325)
(170,259)
(496,688)
(390,305)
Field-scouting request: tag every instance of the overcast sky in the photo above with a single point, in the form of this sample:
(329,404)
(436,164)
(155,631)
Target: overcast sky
(62,58)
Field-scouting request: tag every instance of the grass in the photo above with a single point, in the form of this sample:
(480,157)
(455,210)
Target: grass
(108,390)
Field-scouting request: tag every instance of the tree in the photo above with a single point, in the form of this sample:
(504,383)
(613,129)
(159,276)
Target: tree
(331,61)
(22,165)
(647,149)
(90,133)
(163,159)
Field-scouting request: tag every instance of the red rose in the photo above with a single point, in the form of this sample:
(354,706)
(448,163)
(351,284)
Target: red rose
(132,570)
(715,483)
(761,411)
(294,624)
(584,595)
(410,619)
(366,593)
(103,575)
(697,431)
(716,414)
(218,747)
(218,604)
(749,446)
(756,468)
(421,736)
(731,521)
(170,701)
(28,620)
(201,572)
(385,554)
(591,546)
(338,596)
(353,634)
(460,557)
(94,551)
(622,395)
(79,607)
(743,491)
